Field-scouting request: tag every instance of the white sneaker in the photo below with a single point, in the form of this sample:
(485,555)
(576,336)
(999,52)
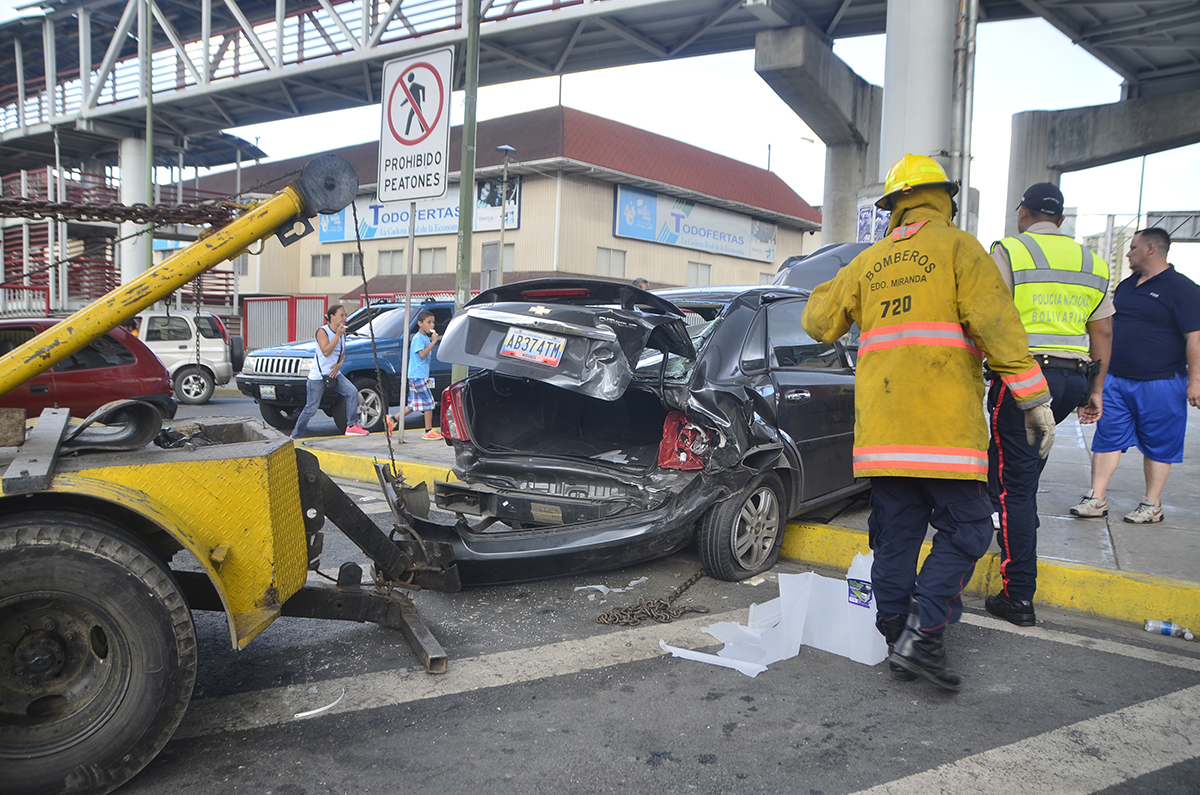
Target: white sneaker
(1145,513)
(1089,507)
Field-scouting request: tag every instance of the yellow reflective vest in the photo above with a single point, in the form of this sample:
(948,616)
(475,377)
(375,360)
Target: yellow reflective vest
(930,304)
(1057,284)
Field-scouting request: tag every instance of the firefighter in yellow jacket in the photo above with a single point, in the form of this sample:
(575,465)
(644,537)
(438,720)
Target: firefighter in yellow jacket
(930,305)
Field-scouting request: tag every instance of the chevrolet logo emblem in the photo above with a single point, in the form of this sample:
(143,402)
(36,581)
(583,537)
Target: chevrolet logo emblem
(540,310)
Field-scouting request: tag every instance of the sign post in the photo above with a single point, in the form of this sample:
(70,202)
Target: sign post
(414,161)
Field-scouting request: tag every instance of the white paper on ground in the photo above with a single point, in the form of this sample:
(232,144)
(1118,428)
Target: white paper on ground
(748,668)
(812,611)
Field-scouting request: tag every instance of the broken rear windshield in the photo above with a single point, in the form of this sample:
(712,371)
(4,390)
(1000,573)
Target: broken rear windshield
(678,368)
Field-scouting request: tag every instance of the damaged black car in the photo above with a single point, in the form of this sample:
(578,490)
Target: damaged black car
(607,425)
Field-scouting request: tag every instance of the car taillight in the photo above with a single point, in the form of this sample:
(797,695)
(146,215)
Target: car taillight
(221,327)
(454,424)
(684,445)
(571,292)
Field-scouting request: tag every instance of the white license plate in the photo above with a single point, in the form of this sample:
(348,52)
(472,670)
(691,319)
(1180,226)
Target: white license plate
(533,347)
(267,391)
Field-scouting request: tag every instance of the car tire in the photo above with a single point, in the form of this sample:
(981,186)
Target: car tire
(193,385)
(99,654)
(279,417)
(237,353)
(741,536)
(372,405)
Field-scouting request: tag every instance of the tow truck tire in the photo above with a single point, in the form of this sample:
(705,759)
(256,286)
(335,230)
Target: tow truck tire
(97,655)
(193,385)
(741,536)
(278,417)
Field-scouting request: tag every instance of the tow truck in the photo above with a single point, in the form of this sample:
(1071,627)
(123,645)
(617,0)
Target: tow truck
(97,646)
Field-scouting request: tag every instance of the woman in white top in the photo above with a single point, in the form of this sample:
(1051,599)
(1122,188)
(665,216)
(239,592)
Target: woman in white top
(330,353)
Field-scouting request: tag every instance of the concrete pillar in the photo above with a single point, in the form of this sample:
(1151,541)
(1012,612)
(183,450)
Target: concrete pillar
(132,154)
(918,81)
(1028,157)
(848,168)
(839,106)
(1046,143)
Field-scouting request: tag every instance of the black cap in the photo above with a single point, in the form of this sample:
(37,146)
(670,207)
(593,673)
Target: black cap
(1043,197)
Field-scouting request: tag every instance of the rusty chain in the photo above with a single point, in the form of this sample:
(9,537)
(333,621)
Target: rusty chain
(195,214)
(661,610)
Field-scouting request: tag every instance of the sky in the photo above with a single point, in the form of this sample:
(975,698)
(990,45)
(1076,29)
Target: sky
(705,101)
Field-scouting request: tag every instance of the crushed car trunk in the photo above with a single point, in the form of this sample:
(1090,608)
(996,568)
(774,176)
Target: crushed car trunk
(533,418)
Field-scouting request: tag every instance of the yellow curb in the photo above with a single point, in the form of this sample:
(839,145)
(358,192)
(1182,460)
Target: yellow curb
(356,466)
(1121,595)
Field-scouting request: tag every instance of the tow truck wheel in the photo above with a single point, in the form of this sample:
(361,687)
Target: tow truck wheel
(278,417)
(193,385)
(741,536)
(97,655)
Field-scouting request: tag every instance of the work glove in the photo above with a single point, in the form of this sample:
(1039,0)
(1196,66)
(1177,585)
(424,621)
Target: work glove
(1040,420)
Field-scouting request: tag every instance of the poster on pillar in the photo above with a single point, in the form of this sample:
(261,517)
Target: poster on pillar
(872,222)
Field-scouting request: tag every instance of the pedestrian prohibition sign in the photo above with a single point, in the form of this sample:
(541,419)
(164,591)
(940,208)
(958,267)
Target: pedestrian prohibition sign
(414,141)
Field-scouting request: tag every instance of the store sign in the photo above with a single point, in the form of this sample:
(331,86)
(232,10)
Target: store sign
(378,219)
(643,215)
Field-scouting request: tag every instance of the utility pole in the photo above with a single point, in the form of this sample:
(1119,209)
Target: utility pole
(507,150)
(466,181)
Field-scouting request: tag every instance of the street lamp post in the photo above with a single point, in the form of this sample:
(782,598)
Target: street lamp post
(507,150)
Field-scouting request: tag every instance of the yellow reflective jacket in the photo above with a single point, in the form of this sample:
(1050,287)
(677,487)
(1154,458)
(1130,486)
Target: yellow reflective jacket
(930,305)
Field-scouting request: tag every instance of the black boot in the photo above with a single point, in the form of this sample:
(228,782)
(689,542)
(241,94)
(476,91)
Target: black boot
(891,629)
(1015,611)
(923,654)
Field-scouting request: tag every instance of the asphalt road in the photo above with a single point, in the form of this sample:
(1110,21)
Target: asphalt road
(540,697)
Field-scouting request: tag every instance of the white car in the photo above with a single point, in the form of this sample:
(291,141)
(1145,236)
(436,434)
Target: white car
(197,361)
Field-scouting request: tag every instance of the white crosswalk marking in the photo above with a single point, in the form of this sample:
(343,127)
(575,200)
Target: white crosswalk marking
(1079,759)
(388,688)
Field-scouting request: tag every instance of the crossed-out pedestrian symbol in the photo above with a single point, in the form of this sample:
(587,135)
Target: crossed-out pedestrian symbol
(413,98)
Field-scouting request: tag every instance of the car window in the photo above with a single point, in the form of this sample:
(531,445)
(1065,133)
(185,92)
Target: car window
(208,328)
(790,346)
(103,352)
(168,329)
(754,351)
(649,366)
(11,338)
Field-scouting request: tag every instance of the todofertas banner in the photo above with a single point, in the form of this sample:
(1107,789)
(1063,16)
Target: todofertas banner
(643,215)
(378,219)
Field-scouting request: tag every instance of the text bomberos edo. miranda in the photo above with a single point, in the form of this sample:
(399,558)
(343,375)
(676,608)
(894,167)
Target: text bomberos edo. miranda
(420,170)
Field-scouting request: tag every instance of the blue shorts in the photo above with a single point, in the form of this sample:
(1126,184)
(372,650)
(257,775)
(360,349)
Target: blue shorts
(1149,414)
(419,396)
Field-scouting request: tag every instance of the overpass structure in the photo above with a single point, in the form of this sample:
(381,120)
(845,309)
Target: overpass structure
(77,77)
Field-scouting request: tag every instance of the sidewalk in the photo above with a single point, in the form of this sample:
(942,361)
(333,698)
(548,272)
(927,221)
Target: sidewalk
(1103,567)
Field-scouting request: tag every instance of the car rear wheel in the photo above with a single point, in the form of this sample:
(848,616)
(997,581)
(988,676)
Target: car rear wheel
(280,417)
(741,536)
(372,406)
(97,655)
(193,385)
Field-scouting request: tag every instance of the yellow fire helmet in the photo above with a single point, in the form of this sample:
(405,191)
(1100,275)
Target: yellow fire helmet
(914,171)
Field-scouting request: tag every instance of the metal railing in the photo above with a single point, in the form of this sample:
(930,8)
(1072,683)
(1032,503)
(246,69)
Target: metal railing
(322,30)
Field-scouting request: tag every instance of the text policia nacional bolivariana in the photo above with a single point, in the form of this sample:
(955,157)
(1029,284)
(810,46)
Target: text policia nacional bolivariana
(417,178)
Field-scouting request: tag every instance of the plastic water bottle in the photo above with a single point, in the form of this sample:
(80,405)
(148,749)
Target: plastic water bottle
(1168,628)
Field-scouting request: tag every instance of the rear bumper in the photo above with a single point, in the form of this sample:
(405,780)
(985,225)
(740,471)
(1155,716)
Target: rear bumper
(165,404)
(552,551)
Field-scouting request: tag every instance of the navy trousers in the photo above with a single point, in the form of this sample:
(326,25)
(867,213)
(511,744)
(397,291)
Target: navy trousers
(1014,469)
(902,509)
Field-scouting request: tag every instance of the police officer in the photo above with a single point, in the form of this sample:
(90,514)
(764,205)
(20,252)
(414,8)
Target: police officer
(930,304)
(1061,290)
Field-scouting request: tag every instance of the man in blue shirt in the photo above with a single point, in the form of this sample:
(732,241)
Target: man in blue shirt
(1154,375)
